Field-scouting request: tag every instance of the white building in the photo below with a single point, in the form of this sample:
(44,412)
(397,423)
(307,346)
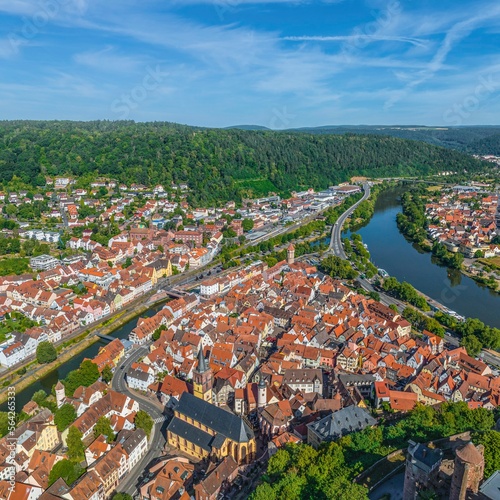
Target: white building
(43,262)
(139,380)
(12,354)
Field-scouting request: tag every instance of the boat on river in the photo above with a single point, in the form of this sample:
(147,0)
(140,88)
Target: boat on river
(383,273)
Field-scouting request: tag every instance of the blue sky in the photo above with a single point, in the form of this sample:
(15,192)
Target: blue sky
(280,64)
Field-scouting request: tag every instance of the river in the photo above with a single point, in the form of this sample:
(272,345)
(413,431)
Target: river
(48,381)
(406,261)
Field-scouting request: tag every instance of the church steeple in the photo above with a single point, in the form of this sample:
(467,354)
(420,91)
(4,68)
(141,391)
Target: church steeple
(203,379)
(202,362)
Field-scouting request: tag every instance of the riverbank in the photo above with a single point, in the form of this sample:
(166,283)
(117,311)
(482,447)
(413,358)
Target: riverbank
(412,223)
(406,261)
(365,210)
(77,346)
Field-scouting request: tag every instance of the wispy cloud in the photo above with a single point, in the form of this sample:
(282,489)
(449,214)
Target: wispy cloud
(109,60)
(458,32)
(350,38)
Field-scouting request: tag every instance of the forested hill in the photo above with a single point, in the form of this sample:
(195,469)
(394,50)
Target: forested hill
(487,146)
(474,140)
(217,164)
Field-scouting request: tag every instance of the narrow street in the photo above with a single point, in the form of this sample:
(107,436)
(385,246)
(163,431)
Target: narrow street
(157,439)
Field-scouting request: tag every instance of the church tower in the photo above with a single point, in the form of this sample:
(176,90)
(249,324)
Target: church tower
(262,394)
(203,379)
(60,394)
(290,254)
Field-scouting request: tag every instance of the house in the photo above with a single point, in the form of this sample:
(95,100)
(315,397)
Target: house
(217,479)
(37,433)
(12,354)
(139,380)
(170,479)
(338,424)
(304,380)
(43,262)
(135,444)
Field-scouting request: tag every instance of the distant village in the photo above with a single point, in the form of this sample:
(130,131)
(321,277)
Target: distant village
(465,220)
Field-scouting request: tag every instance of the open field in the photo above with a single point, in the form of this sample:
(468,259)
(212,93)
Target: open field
(492,262)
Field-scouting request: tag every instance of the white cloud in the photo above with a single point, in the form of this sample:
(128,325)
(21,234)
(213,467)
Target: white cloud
(108,60)
(354,38)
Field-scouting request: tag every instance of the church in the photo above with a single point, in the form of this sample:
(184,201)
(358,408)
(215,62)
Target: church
(204,430)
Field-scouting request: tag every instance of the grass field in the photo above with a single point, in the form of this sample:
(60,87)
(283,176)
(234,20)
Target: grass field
(14,265)
(492,262)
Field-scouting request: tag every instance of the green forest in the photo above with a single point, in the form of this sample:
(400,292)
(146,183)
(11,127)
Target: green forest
(217,164)
(475,140)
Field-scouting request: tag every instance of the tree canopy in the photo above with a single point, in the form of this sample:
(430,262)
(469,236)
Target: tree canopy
(66,469)
(86,375)
(46,352)
(65,416)
(76,448)
(103,426)
(218,165)
(144,421)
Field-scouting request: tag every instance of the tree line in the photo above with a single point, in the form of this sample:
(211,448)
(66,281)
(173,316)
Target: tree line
(218,165)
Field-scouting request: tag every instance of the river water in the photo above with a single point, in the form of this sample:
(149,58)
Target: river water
(406,261)
(48,381)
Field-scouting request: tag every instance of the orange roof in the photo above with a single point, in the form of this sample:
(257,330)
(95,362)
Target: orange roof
(403,401)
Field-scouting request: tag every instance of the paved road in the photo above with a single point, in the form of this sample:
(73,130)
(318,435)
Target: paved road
(157,439)
(336,237)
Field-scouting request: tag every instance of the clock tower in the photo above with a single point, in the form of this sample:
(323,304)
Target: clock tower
(203,379)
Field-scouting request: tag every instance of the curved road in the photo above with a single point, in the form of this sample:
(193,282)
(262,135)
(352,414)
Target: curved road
(157,439)
(338,249)
(336,237)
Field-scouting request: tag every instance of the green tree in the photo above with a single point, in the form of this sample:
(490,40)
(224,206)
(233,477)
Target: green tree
(229,233)
(107,374)
(103,426)
(46,352)
(39,397)
(491,442)
(67,470)
(65,416)
(89,373)
(4,423)
(278,462)
(11,210)
(264,492)
(76,448)
(472,344)
(247,225)
(144,421)
(122,496)
(338,268)
(157,332)
(86,375)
